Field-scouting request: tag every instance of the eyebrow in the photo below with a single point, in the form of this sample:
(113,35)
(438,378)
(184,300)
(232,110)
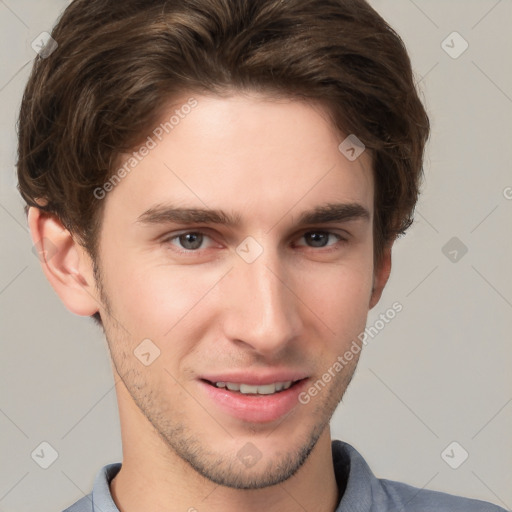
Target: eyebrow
(329,212)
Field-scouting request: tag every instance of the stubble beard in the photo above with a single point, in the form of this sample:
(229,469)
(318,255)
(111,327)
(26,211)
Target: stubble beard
(180,440)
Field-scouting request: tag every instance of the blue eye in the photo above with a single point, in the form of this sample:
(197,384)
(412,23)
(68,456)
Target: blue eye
(193,241)
(190,241)
(320,238)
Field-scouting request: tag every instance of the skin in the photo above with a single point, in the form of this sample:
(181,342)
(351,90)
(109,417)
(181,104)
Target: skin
(298,306)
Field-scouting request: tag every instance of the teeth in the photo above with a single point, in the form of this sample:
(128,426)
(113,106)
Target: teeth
(246,389)
(267,389)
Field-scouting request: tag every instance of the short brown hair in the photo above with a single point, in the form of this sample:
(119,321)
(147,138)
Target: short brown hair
(102,89)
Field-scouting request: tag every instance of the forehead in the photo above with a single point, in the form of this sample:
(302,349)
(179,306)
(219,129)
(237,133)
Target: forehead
(244,152)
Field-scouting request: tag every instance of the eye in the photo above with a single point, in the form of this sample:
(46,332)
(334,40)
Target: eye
(190,241)
(320,239)
(193,241)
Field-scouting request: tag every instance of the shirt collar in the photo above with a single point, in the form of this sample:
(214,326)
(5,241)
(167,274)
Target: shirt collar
(101,496)
(356,482)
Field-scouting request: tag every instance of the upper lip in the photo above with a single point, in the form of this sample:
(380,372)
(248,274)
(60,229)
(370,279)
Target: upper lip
(256,379)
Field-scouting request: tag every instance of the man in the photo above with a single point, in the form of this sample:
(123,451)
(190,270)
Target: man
(219,185)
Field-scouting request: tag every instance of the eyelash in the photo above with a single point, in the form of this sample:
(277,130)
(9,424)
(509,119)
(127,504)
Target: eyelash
(169,239)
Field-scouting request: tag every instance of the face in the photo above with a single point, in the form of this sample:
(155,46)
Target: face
(238,254)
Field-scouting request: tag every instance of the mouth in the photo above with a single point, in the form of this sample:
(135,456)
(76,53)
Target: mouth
(252,389)
(251,402)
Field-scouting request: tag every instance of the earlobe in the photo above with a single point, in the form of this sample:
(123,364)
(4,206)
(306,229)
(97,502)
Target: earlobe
(65,263)
(381,276)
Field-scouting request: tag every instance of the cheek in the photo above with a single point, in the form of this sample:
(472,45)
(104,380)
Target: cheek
(340,297)
(155,300)
(151,299)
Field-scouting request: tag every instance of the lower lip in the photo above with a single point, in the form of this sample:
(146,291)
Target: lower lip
(255,408)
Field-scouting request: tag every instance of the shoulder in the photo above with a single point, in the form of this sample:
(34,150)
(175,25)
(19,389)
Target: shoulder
(362,491)
(414,499)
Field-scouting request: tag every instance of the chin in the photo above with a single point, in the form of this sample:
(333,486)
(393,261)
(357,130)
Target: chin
(254,464)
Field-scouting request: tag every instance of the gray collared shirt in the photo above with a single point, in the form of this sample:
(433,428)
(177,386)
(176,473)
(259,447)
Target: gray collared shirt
(361,491)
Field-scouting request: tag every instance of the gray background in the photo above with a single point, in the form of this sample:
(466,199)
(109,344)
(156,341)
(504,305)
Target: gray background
(438,373)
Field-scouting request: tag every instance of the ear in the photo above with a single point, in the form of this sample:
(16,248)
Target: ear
(381,276)
(65,263)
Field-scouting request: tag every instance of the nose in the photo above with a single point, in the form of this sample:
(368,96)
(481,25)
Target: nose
(262,308)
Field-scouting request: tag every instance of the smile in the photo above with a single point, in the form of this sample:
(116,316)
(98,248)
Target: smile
(248,389)
(251,402)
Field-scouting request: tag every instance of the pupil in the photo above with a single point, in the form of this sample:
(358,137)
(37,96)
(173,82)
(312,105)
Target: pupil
(318,237)
(193,239)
